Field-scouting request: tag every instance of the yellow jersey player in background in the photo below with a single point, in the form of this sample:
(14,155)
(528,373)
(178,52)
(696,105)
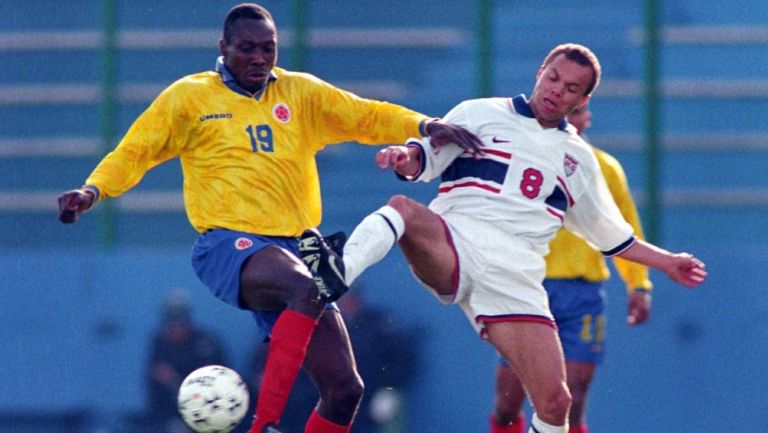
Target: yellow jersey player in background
(247,134)
(575,274)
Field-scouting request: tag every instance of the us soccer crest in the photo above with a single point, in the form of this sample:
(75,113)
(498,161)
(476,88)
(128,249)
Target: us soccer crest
(570,164)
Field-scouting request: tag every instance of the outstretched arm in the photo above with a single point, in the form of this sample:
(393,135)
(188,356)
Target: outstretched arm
(682,268)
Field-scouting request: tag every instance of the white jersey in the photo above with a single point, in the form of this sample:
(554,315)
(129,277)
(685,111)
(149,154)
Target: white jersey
(531,180)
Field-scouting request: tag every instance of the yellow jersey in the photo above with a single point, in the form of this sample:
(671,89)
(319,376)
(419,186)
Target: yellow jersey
(249,160)
(571,257)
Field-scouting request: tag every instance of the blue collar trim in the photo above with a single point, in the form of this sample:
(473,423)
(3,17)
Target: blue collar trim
(229,80)
(521,105)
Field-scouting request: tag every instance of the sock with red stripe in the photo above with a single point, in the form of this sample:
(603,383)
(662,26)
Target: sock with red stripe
(287,349)
(317,424)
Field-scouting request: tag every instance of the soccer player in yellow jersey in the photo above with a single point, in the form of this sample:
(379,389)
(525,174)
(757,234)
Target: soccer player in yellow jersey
(247,134)
(575,274)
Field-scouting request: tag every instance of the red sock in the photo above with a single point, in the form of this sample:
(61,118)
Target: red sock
(287,349)
(516,427)
(579,429)
(317,424)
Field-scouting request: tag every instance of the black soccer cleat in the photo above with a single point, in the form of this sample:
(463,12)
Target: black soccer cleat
(325,263)
(336,241)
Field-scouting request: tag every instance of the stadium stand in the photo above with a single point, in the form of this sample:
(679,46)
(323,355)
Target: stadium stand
(428,68)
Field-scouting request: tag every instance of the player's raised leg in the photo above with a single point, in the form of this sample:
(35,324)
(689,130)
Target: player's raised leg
(420,233)
(426,245)
(534,352)
(371,240)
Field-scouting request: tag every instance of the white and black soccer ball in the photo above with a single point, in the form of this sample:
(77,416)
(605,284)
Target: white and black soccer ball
(213,399)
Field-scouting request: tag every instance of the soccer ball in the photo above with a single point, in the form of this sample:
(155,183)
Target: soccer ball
(213,399)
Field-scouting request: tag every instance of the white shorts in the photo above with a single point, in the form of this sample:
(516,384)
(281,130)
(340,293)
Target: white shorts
(500,275)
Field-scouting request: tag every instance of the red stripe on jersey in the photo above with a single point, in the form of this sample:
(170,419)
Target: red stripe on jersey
(560,217)
(505,155)
(469,184)
(567,193)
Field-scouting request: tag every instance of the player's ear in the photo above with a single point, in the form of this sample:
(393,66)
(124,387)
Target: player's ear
(584,101)
(223,47)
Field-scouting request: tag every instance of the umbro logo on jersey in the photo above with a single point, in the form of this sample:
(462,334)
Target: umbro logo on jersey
(243,243)
(215,116)
(499,140)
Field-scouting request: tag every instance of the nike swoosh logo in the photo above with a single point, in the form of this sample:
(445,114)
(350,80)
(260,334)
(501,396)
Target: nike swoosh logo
(335,269)
(498,140)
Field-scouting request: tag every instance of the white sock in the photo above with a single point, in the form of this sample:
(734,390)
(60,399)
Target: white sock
(539,426)
(371,241)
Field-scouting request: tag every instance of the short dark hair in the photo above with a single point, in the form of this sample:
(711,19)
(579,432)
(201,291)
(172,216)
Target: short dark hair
(244,11)
(581,55)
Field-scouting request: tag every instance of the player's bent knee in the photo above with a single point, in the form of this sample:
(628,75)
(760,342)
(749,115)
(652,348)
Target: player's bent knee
(554,408)
(401,203)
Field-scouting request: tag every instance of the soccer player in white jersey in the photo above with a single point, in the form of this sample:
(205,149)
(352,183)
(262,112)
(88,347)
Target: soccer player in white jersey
(574,284)
(481,242)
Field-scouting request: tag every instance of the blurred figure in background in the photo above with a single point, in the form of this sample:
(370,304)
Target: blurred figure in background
(178,348)
(575,276)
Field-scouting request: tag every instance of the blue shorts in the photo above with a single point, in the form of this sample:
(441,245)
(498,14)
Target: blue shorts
(579,310)
(578,307)
(217,257)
